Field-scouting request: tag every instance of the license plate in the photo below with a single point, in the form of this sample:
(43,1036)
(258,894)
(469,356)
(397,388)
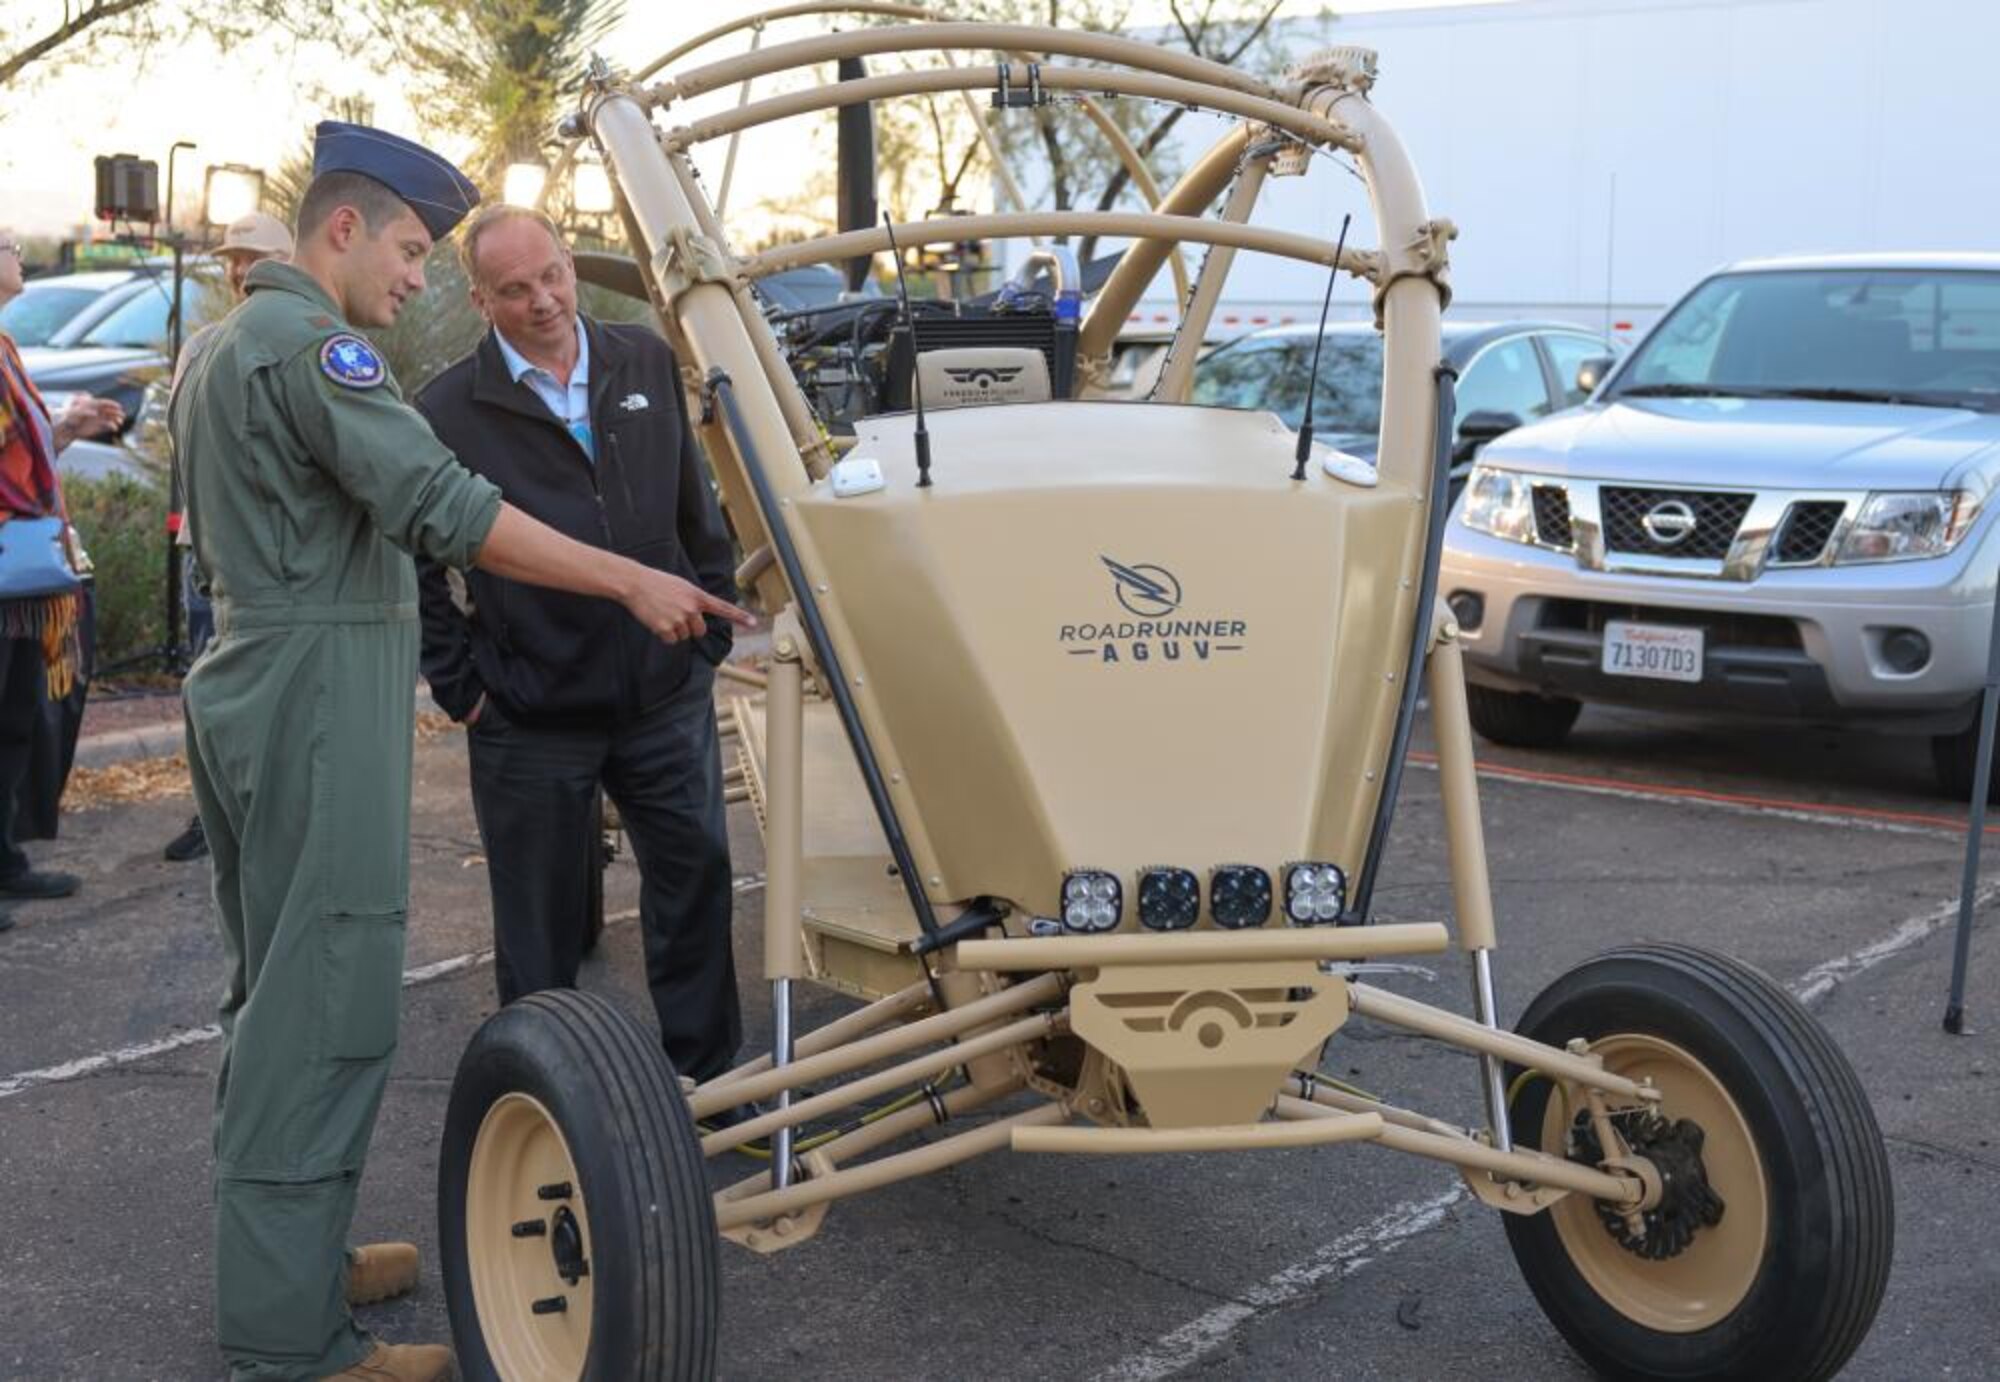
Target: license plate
(1656,651)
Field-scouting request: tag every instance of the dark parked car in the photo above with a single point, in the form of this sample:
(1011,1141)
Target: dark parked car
(48,307)
(1509,373)
(124,348)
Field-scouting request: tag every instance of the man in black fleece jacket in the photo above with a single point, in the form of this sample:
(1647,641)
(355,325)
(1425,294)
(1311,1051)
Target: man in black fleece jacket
(584,425)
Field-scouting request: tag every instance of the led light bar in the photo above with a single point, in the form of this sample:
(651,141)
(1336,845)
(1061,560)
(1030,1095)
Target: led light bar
(1239,895)
(1169,899)
(1315,894)
(1092,900)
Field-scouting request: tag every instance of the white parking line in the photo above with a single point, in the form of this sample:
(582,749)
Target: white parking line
(196,1036)
(90,1065)
(1817,982)
(1810,813)
(1344,1256)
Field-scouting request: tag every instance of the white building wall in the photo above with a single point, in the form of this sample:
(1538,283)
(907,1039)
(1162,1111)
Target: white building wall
(1732,128)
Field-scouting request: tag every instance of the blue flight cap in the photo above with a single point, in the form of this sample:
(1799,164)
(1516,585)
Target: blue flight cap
(439,194)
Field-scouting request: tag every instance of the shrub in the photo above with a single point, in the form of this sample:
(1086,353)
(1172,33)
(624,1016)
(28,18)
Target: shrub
(122,520)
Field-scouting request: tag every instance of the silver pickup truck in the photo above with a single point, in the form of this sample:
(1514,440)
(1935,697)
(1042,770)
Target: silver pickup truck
(1775,506)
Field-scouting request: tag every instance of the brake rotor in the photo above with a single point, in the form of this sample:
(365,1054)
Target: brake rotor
(1688,1203)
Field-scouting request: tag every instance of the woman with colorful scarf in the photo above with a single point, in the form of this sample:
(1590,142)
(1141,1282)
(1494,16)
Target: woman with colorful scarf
(39,648)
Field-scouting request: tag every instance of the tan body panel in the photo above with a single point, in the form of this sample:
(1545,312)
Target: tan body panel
(985,600)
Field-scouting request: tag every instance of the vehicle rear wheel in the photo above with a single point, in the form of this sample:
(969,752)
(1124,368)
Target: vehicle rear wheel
(575,1225)
(1954,756)
(1769,1256)
(1520,719)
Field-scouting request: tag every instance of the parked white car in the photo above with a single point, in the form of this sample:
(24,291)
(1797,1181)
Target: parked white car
(1776,506)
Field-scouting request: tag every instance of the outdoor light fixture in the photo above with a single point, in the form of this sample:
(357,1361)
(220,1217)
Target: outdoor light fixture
(1315,894)
(1239,895)
(233,192)
(1169,899)
(1091,900)
(128,188)
(523,184)
(590,190)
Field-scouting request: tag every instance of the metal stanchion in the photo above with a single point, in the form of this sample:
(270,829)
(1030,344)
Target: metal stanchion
(1975,834)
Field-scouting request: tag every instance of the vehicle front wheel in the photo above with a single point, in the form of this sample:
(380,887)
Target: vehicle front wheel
(1954,756)
(1520,719)
(1768,1256)
(574,1220)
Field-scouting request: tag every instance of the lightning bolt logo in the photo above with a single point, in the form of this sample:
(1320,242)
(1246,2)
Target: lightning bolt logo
(1147,591)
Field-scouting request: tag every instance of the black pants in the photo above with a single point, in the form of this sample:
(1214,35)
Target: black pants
(23,692)
(38,799)
(532,790)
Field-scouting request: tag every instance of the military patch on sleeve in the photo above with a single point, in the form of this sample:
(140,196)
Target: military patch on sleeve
(351,362)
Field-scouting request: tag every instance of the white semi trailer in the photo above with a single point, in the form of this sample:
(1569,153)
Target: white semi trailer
(1599,155)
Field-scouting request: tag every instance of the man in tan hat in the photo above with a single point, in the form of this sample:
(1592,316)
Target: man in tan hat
(247,241)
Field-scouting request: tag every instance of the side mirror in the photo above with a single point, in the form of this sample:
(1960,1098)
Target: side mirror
(1477,429)
(1591,372)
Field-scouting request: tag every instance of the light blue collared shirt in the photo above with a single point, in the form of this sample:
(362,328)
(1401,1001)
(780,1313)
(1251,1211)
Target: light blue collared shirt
(570,405)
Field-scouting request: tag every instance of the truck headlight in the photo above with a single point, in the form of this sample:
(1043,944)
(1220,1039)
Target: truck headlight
(1499,502)
(1091,900)
(1903,526)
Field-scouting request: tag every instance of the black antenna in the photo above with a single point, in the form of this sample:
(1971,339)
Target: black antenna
(1312,379)
(916,374)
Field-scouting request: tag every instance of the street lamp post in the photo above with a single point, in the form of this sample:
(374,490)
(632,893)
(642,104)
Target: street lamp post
(174,244)
(171,650)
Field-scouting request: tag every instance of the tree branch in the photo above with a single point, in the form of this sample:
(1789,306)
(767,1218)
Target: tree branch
(92,14)
(937,129)
(1058,164)
(1114,186)
(1255,33)
(964,165)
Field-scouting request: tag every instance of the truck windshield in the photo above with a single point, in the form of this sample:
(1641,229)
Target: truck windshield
(1269,372)
(1924,338)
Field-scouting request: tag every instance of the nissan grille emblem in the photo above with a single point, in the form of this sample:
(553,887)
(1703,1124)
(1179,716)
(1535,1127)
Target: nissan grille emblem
(1669,523)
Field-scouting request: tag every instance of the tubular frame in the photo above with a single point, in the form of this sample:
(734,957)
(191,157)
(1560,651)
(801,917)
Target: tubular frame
(885,1170)
(702,290)
(941,36)
(823,1061)
(1109,81)
(1136,224)
(910,1072)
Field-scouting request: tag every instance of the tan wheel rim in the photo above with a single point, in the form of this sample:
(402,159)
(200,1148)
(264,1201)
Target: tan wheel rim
(522,1175)
(1704,1284)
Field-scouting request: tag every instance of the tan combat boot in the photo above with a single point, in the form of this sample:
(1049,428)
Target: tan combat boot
(378,1271)
(400,1363)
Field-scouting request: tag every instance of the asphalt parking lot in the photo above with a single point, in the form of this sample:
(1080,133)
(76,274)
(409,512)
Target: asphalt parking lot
(1824,859)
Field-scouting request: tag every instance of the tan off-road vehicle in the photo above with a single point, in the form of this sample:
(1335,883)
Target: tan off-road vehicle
(1082,734)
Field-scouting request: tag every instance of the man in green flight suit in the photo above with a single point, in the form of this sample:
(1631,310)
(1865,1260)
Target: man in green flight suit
(309,484)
